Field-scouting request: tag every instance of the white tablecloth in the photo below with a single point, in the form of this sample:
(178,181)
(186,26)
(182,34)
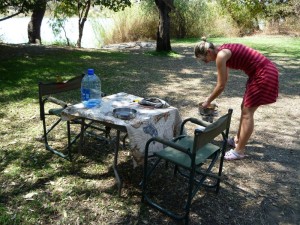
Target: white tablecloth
(149,122)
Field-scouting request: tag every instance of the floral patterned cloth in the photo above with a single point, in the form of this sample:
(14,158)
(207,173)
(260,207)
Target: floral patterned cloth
(148,122)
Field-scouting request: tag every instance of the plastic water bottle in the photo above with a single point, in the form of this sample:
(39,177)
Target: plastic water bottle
(91,90)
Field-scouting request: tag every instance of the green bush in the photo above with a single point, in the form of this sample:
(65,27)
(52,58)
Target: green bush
(218,24)
(140,22)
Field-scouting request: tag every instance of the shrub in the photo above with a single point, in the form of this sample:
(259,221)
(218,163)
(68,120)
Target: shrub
(140,22)
(131,24)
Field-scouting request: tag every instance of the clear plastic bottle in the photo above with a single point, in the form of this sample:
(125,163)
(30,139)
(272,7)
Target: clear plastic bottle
(91,90)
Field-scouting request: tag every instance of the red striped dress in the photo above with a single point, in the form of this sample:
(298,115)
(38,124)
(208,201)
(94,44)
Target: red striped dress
(262,85)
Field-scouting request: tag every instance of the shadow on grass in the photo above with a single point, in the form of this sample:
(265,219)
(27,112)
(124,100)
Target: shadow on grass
(264,203)
(133,72)
(237,202)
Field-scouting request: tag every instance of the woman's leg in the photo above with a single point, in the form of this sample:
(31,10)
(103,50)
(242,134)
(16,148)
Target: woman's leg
(236,138)
(246,128)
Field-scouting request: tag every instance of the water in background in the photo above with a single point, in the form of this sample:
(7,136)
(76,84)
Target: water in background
(14,31)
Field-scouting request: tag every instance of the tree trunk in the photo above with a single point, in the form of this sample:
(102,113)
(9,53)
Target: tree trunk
(80,32)
(34,26)
(163,31)
(82,14)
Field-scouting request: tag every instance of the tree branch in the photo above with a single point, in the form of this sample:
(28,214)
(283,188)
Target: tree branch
(15,14)
(8,17)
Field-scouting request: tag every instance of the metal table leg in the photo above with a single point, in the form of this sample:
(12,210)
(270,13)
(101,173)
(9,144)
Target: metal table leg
(115,163)
(81,136)
(116,152)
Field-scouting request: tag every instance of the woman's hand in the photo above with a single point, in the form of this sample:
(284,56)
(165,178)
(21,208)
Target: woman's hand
(205,104)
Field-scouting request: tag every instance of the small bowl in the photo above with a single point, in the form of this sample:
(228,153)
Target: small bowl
(209,111)
(124,113)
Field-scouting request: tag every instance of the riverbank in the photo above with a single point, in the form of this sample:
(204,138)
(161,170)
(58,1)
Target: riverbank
(14,31)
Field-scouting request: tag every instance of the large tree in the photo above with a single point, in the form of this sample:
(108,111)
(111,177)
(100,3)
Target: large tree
(11,8)
(81,8)
(17,7)
(38,8)
(163,31)
(34,25)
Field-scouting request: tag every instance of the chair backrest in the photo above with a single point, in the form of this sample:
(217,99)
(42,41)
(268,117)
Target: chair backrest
(51,88)
(202,137)
(58,87)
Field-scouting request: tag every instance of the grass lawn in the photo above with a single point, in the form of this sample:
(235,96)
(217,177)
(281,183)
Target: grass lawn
(40,188)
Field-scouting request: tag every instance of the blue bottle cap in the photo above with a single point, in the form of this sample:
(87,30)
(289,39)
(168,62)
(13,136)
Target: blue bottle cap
(90,71)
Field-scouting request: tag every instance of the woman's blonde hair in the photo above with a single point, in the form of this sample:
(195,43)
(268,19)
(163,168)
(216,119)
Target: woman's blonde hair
(201,48)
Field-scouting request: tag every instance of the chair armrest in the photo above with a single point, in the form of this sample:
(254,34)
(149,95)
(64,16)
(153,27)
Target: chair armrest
(167,143)
(178,138)
(57,101)
(197,121)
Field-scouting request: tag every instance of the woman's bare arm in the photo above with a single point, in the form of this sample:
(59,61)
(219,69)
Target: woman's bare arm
(222,78)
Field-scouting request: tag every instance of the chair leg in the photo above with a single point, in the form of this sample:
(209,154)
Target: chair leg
(45,136)
(144,181)
(124,140)
(220,173)
(145,197)
(147,174)
(69,140)
(153,167)
(190,196)
(45,133)
(175,170)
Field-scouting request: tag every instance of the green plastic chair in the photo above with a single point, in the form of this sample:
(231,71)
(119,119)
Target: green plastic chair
(53,98)
(193,157)
(50,112)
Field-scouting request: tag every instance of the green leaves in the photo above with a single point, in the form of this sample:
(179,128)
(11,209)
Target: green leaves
(115,5)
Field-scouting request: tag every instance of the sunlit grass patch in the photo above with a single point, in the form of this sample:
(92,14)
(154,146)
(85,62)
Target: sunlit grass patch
(164,54)
(12,170)
(7,217)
